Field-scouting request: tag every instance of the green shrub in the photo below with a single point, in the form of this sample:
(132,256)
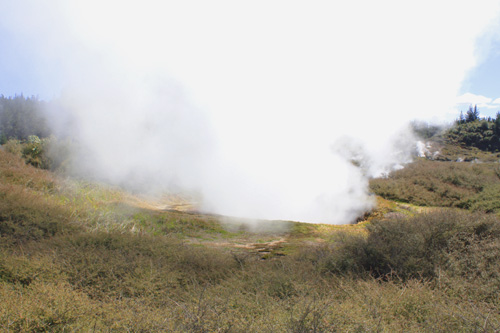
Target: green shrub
(417,247)
(34,152)
(480,134)
(348,254)
(47,153)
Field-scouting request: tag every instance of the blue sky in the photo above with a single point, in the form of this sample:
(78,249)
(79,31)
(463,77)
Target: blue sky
(482,85)
(485,78)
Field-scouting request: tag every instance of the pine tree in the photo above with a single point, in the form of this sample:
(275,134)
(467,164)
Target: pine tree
(461,119)
(472,114)
(496,126)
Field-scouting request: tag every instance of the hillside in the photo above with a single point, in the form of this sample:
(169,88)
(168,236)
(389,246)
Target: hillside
(85,256)
(459,167)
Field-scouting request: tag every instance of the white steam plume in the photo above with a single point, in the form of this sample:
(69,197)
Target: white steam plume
(258,106)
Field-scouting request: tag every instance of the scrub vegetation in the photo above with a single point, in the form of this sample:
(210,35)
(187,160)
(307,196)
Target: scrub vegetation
(83,256)
(463,171)
(473,186)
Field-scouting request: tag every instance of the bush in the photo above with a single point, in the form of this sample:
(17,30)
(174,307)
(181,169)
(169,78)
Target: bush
(479,133)
(48,153)
(418,247)
(346,255)
(34,152)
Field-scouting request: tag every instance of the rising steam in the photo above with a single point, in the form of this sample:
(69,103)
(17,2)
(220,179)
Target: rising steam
(259,107)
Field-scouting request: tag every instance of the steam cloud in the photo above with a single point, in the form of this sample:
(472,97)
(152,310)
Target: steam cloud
(257,106)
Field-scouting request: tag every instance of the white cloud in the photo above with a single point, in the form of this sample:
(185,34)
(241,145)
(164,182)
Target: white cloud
(488,106)
(473,99)
(468,99)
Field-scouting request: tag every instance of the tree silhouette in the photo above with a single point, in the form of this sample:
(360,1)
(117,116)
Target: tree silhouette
(472,114)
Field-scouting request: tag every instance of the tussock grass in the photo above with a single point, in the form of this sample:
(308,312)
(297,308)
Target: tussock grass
(27,215)
(85,258)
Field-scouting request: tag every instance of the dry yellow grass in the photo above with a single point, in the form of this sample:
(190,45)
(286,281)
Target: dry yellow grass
(79,256)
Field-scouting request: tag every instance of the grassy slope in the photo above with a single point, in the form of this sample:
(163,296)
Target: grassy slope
(473,184)
(81,256)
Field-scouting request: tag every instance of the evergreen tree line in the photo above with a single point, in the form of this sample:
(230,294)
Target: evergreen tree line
(21,117)
(24,131)
(473,115)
